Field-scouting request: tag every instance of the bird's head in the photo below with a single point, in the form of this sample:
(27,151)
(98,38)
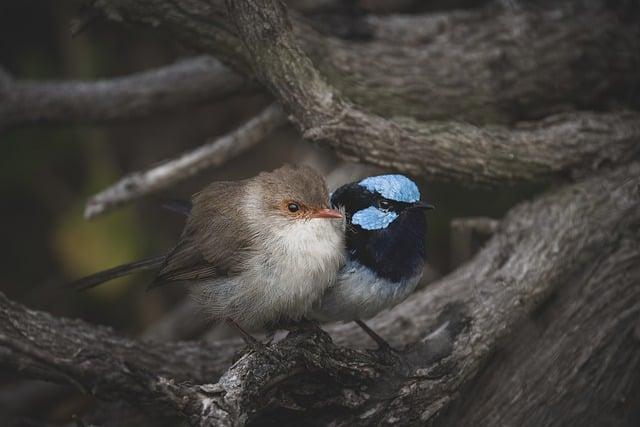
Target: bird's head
(377,202)
(291,213)
(294,194)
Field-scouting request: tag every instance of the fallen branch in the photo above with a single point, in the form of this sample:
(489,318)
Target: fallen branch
(167,88)
(466,237)
(212,154)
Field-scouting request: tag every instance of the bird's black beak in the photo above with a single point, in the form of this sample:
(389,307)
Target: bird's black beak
(422,205)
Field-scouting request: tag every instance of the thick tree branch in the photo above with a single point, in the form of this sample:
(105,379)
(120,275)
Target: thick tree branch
(174,86)
(560,146)
(214,153)
(582,348)
(583,234)
(94,358)
(488,65)
(451,330)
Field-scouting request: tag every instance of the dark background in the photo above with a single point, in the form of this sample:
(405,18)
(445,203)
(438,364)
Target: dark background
(48,172)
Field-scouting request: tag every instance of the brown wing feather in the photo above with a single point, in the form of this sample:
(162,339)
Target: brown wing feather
(214,241)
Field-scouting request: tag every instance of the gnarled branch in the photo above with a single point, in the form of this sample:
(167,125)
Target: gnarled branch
(560,146)
(489,65)
(174,86)
(582,233)
(572,143)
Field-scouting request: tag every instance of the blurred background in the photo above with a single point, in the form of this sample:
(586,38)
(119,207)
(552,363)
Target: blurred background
(48,173)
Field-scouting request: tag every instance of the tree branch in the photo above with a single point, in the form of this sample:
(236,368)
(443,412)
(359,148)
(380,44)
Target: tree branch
(561,145)
(174,86)
(168,173)
(489,65)
(583,233)
(95,359)
(450,330)
(573,144)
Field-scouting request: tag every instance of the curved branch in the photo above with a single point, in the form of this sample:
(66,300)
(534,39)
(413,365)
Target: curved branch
(488,65)
(174,86)
(583,234)
(560,145)
(564,145)
(450,330)
(214,153)
(97,360)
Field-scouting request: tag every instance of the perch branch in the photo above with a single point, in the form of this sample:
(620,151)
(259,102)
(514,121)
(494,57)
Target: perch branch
(450,330)
(585,233)
(174,86)
(214,153)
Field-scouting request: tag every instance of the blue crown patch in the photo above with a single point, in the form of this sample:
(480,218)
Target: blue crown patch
(393,187)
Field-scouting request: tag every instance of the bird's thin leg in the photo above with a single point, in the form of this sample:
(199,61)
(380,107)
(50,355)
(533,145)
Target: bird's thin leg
(257,346)
(382,344)
(246,336)
(270,335)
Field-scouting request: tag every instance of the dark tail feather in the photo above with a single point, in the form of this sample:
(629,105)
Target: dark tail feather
(115,272)
(177,205)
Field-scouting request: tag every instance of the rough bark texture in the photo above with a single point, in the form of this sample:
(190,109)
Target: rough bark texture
(440,150)
(487,65)
(454,329)
(174,86)
(541,327)
(96,358)
(559,146)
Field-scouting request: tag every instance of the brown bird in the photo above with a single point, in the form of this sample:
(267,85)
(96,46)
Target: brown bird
(254,252)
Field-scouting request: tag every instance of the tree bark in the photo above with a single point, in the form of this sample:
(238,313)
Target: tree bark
(490,65)
(167,88)
(446,151)
(452,331)
(574,144)
(540,327)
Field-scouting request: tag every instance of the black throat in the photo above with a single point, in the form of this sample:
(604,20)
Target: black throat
(396,252)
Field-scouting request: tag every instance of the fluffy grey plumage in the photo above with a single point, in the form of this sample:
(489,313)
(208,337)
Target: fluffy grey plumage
(256,251)
(248,257)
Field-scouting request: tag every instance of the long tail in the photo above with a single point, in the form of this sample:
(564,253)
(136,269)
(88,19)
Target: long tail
(95,279)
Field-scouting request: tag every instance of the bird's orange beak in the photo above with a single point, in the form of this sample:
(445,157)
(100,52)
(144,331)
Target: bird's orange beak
(326,213)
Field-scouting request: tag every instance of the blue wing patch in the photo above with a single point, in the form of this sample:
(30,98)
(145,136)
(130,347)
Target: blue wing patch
(373,218)
(393,187)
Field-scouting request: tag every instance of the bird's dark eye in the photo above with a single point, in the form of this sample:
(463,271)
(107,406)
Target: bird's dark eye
(384,204)
(293,207)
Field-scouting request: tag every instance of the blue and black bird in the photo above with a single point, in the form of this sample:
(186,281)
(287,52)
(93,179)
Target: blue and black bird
(385,243)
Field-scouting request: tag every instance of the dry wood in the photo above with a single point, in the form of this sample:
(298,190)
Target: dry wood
(451,331)
(167,88)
